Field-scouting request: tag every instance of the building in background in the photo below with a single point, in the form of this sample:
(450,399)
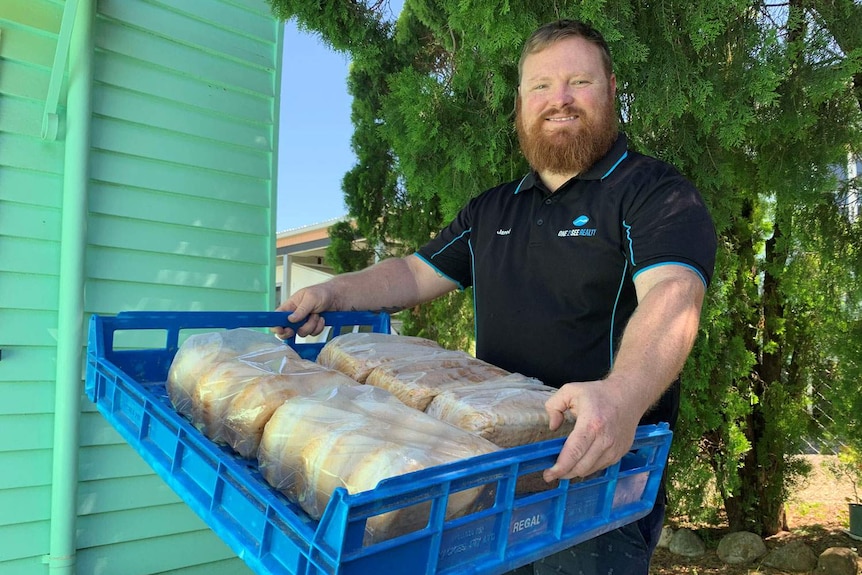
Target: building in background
(301,257)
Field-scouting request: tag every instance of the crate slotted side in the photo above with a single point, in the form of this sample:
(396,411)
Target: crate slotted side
(274,536)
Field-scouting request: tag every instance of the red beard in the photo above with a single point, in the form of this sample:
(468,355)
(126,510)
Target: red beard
(570,151)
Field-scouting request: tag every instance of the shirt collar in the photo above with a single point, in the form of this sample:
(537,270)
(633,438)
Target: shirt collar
(598,171)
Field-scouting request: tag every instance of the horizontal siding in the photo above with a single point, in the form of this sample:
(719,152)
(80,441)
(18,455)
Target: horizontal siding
(168,177)
(158,555)
(25,505)
(27,328)
(30,153)
(29,221)
(252,19)
(30,199)
(107,297)
(174,54)
(22,117)
(24,255)
(25,44)
(17,185)
(26,432)
(105,496)
(28,566)
(133,524)
(231,566)
(24,540)
(110,462)
(25,366)
(22,81)
(177,209)
(32,469)
(123,265)
(33,503)
(29,291)
(153,236)
(113,102)
(124,72)
(39,15)
(95,429)
(169,146)
(189,30)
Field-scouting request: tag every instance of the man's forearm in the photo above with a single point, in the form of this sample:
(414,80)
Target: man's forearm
(386,286)
(389,285)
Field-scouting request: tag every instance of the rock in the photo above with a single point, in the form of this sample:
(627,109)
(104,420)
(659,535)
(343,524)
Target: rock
(685,542)
(795,556)
(838,561)
(741,547)
(664,538)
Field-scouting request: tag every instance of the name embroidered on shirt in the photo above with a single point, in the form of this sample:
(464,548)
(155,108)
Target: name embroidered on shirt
(502,232)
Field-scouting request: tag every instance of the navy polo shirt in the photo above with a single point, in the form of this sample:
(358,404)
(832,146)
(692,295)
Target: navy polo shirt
(553,274)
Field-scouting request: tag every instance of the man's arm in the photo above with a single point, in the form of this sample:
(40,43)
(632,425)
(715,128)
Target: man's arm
(655,345)
(389,285)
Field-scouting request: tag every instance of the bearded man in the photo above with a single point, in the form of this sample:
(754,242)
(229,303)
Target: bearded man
(588,273)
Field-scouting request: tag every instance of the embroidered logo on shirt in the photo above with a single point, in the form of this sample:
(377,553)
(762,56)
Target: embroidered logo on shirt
(502,232)
(579,231)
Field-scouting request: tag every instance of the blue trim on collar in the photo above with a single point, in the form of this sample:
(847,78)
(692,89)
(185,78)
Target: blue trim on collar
(521,183)
(614,167)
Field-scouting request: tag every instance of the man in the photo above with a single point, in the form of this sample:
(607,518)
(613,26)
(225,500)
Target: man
(588,273)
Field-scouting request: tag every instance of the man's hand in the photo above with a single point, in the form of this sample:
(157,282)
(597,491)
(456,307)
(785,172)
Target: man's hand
(604,428)
(306,305)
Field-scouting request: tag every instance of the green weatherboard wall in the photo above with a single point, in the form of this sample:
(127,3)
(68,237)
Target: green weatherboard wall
(179,211)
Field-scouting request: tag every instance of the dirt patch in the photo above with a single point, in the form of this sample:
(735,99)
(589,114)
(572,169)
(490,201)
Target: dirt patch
(816,514)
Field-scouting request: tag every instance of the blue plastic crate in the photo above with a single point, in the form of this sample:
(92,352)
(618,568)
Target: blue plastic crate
(274,536)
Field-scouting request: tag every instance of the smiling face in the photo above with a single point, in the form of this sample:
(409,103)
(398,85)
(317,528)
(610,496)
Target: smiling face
(565,108)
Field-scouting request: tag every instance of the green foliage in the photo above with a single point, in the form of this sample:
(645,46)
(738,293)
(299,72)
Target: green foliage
(756,103)
(343,253)
(848,467)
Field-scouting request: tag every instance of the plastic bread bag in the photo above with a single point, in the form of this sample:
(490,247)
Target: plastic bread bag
(417,381)
(508,411)
(199,353)
(251,407)
(354,437)
(356,354)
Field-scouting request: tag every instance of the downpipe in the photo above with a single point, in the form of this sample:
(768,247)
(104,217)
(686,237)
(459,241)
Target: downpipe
(71,334)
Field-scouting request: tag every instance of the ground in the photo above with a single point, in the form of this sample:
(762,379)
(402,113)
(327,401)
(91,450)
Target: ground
(817,515)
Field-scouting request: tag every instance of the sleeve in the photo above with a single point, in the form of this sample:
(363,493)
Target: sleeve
(668,223)
(449,253)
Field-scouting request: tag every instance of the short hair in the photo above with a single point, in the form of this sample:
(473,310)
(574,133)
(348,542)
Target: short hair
(553,32)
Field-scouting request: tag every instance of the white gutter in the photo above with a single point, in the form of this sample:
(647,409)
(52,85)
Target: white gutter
(70,309)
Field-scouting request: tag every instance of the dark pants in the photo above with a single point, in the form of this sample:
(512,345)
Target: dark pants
(623,551)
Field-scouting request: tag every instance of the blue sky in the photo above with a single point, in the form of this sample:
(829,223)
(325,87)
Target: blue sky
(315,129)
(314,136)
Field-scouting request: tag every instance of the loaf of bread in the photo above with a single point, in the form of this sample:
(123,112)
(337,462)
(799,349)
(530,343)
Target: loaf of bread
(248,411)
(215,390)
(356,354)
(417,381)
(199,353)
(354,437)
(507,411)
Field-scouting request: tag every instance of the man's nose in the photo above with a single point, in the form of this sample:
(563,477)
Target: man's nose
(562,95)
